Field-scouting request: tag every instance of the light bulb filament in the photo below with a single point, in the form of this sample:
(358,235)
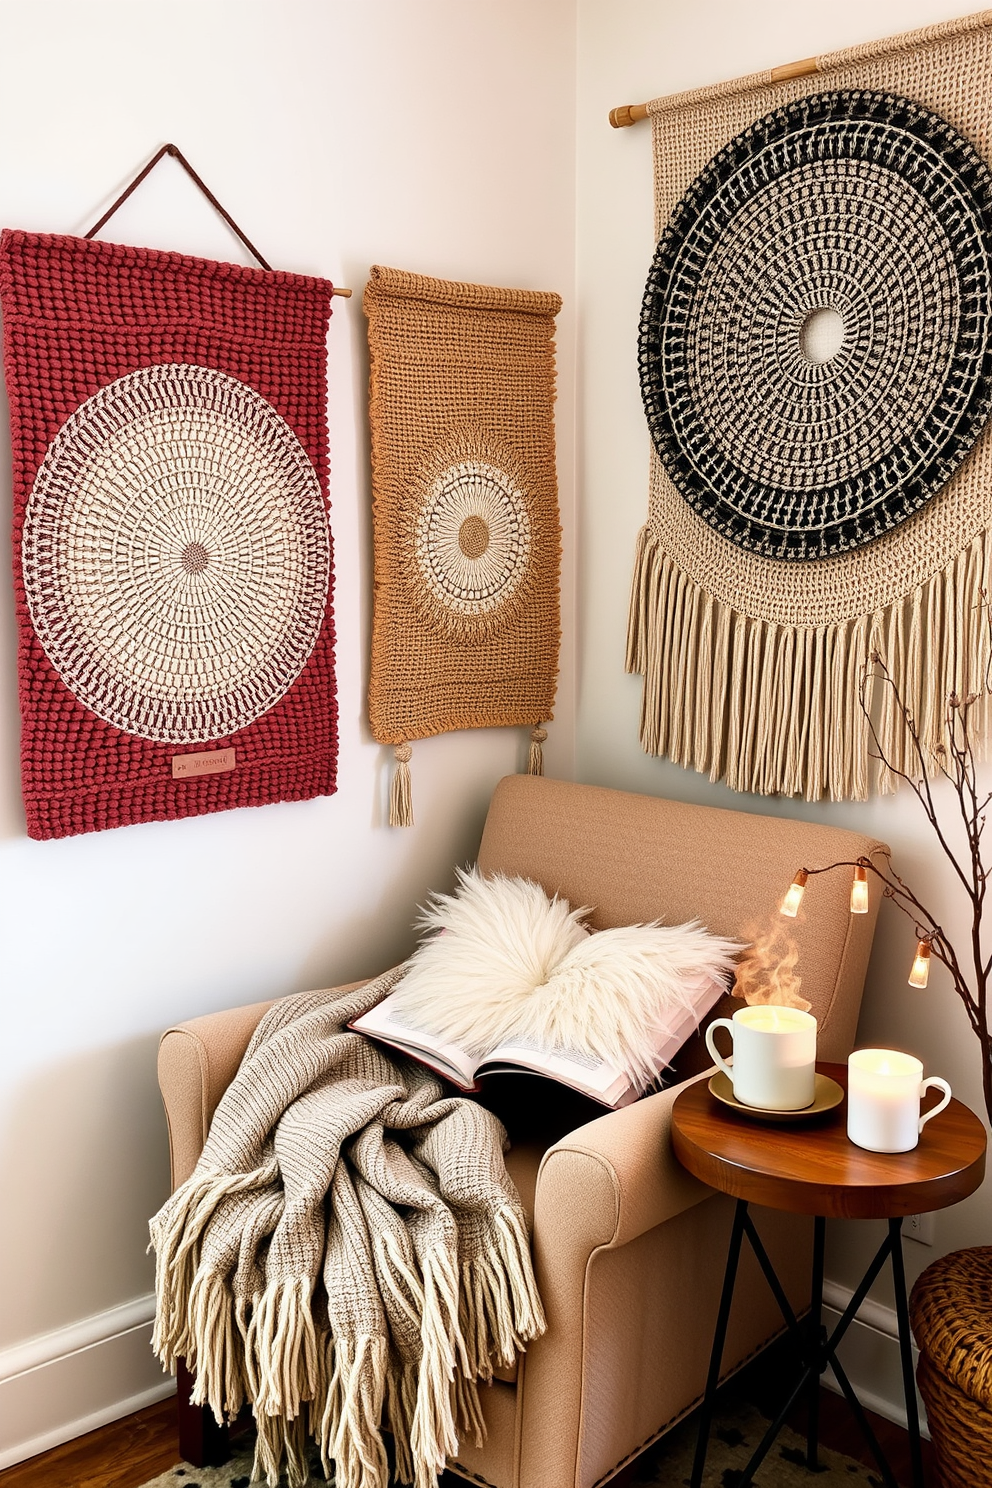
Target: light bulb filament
(793,898)
(920,974)
(859,890)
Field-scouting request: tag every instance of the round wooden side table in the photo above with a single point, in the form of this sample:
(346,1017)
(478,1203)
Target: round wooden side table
(810,1167)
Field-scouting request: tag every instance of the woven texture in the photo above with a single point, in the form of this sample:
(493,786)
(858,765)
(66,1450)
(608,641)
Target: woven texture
(735,646)
(951,1316)
(349,1254)
(861,203)
(172,557)
(465,629)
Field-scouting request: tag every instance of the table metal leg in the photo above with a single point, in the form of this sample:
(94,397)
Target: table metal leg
(778,1291)
(814,1327)
(719,1339)
(819,1351)
(906,1352)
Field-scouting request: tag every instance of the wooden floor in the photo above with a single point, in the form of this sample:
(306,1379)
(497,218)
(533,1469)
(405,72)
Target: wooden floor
(124,1454)
(129,1452)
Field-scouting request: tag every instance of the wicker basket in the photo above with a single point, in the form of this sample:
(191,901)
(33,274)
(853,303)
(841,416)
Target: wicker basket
(951,1314)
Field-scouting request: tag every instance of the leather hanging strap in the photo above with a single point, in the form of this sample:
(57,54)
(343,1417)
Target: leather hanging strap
(177,154)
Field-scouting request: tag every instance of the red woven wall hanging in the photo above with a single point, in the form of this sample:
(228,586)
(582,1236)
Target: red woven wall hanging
(172,559)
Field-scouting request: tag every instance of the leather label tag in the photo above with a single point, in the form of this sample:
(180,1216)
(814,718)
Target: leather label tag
(207,762)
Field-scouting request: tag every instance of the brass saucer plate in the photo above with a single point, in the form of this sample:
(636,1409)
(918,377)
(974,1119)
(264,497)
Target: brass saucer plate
(826,1095)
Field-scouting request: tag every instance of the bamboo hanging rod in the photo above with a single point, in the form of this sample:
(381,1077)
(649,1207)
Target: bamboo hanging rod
(632,113)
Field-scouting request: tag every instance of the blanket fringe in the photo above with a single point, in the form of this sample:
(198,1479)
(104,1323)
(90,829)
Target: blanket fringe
(433,1435)
(214,1348)
(280,1445)
(348,1430)
(176,1237)
(775,709)
(282,1344)
(529,1319)
(401,1402)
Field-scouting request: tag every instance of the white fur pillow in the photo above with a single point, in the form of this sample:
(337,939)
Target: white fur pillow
(507,960)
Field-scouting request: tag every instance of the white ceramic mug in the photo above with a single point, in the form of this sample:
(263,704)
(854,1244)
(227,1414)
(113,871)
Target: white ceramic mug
(774,1056)
(884,1090)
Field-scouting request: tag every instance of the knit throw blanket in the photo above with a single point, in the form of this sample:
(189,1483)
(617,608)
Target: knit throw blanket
(349,1254)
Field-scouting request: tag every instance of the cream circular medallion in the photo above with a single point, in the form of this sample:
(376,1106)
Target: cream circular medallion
(176,554)
(472,540)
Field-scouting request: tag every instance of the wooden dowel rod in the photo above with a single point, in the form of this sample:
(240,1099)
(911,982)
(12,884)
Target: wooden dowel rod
(344,293)
(633,113)
(805,68)
(627,114)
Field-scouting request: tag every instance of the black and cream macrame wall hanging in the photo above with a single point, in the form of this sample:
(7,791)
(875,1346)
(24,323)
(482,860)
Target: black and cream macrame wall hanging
(809,506)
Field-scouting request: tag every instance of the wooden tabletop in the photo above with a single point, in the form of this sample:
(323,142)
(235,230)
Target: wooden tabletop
(811,1167)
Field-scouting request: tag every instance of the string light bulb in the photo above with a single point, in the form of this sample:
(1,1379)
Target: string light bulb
(859,890)
(920,974)
(793,899)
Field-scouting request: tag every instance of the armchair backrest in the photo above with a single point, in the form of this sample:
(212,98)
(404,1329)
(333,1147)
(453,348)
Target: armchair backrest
(633,858)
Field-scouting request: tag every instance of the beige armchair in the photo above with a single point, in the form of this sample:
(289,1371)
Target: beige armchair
(629,1250)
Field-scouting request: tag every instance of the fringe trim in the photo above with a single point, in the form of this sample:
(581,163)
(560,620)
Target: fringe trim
(433,1437)
(176,1237)
(348,1430)
(269,1351)
(280,1445)
(401,1402)
(775,709)
(215,1349)
(282,1346)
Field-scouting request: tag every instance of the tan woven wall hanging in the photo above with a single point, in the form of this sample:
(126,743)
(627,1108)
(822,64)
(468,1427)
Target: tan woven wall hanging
(806,510)
(465,626)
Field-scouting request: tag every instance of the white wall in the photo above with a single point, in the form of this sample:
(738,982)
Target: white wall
(436,137)
(631,51)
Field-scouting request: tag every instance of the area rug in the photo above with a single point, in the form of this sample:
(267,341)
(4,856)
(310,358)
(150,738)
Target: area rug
(666,1465)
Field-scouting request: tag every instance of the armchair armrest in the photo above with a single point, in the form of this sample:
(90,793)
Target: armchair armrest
(625,1169)
(609,1185)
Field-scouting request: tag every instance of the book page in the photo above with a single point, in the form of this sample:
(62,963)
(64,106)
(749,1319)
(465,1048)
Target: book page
(604,1082)
(387,1024)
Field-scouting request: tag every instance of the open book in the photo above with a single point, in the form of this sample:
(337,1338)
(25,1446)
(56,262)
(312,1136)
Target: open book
(583,1072)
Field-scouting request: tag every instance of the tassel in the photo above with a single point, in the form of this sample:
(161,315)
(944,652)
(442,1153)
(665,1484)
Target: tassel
(535,755)
(401,791)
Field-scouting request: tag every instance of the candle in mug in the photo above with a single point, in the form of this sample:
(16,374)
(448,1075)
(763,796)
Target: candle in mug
(884,1088)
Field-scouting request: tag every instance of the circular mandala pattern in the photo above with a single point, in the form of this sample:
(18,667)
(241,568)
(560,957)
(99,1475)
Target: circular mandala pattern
(472,539)
(861,204)
(176,555)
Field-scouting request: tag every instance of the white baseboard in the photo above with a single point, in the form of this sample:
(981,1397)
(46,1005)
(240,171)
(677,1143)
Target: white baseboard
(78,1378)
(75,1379)
(869,1353)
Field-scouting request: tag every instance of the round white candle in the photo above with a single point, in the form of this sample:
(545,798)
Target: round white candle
(774,1056)
(884,1088)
